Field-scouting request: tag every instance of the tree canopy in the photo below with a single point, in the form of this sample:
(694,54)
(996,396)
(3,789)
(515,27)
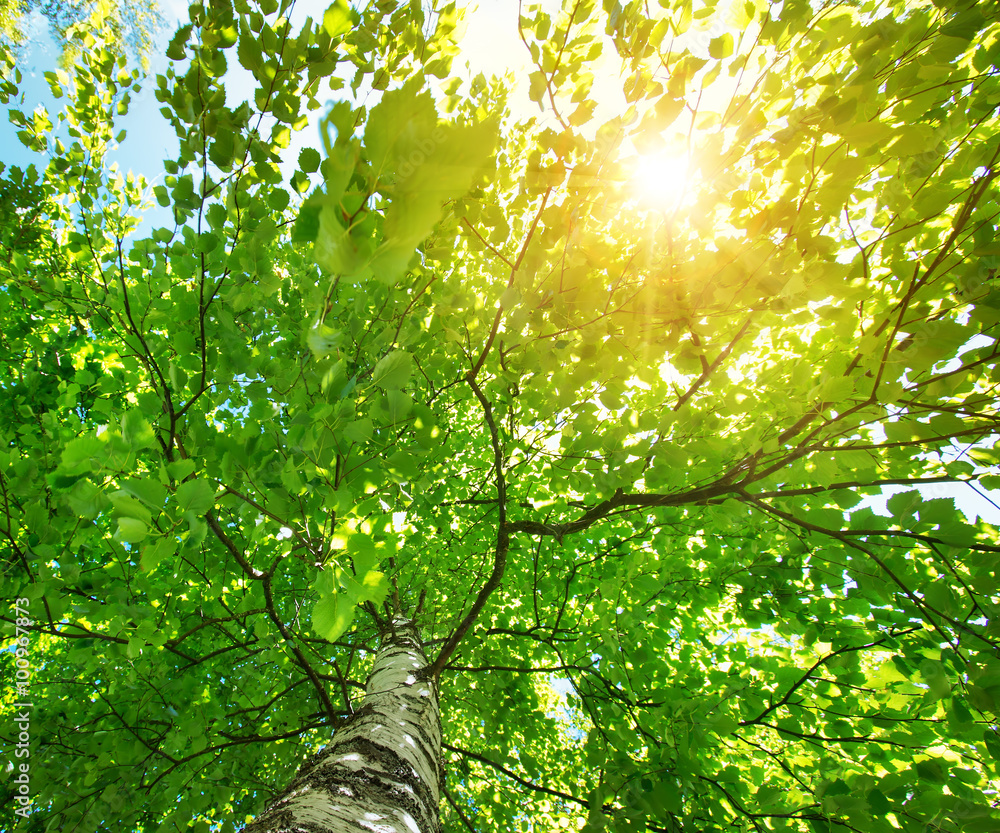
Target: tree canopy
(126,25)
(620,456)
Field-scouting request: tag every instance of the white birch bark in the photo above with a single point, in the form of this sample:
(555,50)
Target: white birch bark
(381,771)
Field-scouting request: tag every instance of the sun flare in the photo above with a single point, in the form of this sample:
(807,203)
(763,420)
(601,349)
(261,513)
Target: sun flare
(661,180)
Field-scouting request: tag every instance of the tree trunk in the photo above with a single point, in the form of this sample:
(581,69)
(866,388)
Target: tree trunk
(382,770)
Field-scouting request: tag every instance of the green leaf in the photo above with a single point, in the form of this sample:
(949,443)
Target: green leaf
(395,405)
(931,770)
(400,130)
(195,496)
(904,504)
(442,165)
(180,469)
(157,552)
(338,19)
(374,587)
(404,465)
(222,150)
(136,431)
(131,530)
(306,228)
(335,250)
(84,454)
(278,199)
(393,370)
(721,47)
(992,744)
(725,724)
(879,803)
(309,160)
(196,532)
(149,491)
(127,506)
(359,431)
(86,499)
(323,339)
(175,49)
(332,616)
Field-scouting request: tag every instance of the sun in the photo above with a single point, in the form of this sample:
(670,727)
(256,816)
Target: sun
(661,180)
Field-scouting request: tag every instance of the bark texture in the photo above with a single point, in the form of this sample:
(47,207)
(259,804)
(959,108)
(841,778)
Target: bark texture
(382,770)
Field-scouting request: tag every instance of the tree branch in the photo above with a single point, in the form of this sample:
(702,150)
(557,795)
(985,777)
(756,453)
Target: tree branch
(502,543)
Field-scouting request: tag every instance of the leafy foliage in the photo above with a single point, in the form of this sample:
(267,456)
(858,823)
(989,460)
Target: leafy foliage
(126,24)
(453,361)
